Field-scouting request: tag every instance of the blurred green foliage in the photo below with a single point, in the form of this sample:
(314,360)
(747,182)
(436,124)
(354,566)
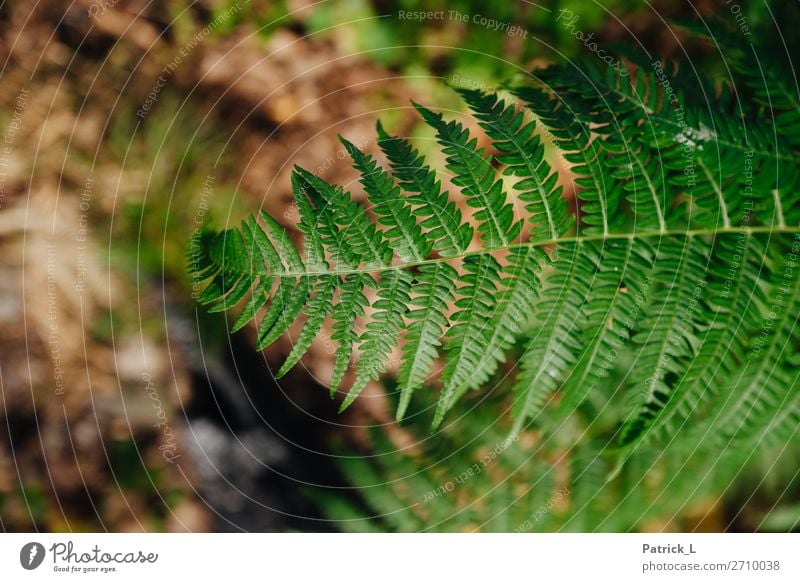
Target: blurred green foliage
(467,477)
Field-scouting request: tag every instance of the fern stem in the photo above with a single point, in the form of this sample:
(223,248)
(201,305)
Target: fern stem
(549,242)
(662,223)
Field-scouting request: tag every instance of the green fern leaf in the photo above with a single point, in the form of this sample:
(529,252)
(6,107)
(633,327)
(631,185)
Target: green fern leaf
(439,216)
(473,172)
(552,346)
(471,330)
(383,331)
(394,212)
(515,304)
(599,194)
(318,308)
(432,295)
(524,159)
(350,307)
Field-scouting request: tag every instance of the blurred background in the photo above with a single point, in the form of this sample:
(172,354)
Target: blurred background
(128,125)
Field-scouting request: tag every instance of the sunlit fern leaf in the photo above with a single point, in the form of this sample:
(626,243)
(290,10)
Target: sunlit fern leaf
(394,212)
(346,312)
(317,309)
(523,157)
(512,314)
(309,224)
(600,195)
(352,234)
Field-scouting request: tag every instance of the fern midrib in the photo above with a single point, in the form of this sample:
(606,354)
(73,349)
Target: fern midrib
(776,197)
(543,243)
(723,207)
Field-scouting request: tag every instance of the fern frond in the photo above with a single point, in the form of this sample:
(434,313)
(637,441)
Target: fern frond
(552,345)
(669,294)
(350,307)
(383,331)
(359,240)
(512,313)
(318,308)
(735,300)
(612,313)
(667,340)
(765,387)
(599,193)
(774,92)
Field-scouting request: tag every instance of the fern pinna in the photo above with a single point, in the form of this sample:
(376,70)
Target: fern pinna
(676,267)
